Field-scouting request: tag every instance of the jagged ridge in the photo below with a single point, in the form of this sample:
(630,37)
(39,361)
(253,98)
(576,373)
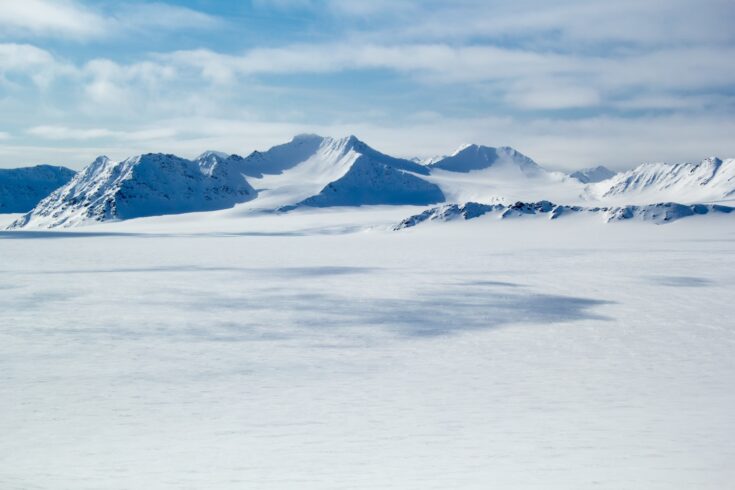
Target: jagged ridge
(710,179)
(658,213)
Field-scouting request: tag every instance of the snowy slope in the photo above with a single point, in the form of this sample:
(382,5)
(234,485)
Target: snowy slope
(320,171)
(507,354)
(711,179)
(22,188)
(659,213)
(144,185)
(592,175)
(489,175)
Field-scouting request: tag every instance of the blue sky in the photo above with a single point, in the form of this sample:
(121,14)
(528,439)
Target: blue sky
(571,83)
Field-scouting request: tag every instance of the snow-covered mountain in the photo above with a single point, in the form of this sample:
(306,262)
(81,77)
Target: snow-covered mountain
(317,171)
(144,185)
(476,157)
(659,213)
(485,174)
(428,160)
(712,179)
(22,188)
(592,175)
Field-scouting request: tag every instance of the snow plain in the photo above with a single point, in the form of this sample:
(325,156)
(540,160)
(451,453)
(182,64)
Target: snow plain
(226,351)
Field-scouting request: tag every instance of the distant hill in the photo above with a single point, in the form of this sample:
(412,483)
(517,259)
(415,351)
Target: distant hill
(21,189)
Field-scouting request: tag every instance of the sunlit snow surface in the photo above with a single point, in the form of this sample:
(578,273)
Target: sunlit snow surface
(300,352)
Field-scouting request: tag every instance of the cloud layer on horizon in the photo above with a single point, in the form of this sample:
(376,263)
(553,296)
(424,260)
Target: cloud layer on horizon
(573,84)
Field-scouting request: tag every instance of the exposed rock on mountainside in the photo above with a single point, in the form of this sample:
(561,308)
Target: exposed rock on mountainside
(145,185)
(659,213)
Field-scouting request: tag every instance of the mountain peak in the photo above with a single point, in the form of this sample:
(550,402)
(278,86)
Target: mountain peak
(592,175)
(212,154)
(712,161)
(305,137)
(471,157)
(463,147)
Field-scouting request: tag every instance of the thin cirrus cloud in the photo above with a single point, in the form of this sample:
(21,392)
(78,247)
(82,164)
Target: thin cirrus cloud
(529,75)
(563,23)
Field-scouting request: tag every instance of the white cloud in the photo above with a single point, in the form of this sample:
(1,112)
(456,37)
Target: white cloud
(567,24)
(362,8)
(548,94)
(441,61)
(669,58)
(26,60)
(63,133)
(142,16)
(53,18)
(76,20)
(67,133)
(567,144)
(529,79)
(112,84)
(18,57)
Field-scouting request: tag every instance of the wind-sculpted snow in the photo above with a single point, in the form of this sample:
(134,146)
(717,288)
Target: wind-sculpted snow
(145,185)
(657,213)
(710,180)
(22,188)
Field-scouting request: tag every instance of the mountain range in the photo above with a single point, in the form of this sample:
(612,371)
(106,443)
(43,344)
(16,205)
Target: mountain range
(316,171)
